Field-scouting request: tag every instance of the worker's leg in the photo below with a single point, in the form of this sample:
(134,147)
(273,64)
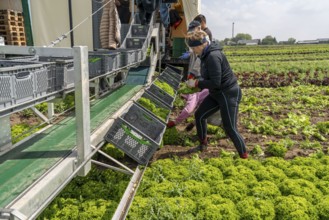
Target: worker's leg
(229,106)
(208,107)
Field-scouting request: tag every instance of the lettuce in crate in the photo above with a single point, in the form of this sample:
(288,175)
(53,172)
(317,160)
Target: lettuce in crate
(148,104)
(165,86)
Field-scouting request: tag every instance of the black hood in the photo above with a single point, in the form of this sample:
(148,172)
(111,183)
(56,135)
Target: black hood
(213,46)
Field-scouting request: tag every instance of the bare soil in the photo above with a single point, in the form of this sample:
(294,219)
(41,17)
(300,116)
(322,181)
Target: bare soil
(19,118)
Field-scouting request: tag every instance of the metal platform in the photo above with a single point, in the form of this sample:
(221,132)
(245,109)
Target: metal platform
(34,171)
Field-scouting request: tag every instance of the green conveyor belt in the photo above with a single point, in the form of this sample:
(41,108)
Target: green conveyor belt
(20,167)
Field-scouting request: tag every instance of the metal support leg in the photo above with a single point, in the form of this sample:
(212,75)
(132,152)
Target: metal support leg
(51,110)
(110,81)
(5,133)
(82,106)
(97,89)
(39,114)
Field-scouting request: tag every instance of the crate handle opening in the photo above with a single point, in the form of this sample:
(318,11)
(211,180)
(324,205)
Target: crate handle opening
(22,75)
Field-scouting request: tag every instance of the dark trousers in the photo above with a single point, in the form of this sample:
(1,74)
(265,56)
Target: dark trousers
(124,14)
(228,103)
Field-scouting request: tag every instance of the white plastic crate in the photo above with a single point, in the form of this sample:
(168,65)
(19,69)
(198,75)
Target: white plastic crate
(64,74)
(44,83)
(64,77)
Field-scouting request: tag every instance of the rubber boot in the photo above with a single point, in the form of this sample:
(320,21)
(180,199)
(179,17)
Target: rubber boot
(244,156)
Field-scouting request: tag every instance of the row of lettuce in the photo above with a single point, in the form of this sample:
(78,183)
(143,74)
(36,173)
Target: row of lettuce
(225,188)
(270,66)
(217,188)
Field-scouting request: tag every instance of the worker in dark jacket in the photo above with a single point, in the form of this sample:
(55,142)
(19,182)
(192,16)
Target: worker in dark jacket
(224,91)
(146,8)
(202,19)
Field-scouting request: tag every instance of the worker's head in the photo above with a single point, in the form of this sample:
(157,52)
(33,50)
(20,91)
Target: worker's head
(202,19)
(197,40)
(194,25)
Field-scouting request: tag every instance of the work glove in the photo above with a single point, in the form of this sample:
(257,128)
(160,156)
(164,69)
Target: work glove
(190,76)
(185,56)
(171,124)
(192,83)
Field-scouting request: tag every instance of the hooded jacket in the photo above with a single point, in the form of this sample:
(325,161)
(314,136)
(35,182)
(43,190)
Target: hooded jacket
(215,70)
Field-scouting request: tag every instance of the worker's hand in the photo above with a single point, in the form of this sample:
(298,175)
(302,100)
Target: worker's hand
(190,76)
(185,55)
(171,124)
(192,83)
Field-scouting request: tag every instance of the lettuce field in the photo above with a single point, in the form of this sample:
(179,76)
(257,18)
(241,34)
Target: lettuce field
(284,118)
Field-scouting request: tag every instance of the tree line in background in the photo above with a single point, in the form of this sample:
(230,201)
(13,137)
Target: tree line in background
(240,38)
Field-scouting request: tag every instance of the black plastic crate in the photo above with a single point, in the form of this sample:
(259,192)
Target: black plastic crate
(95,65)
(145,122)
(108,59)
(174,72)
(138,133)
(134,43)
(157,104)
(177,70)
(127,57)
(166,77)
(138,30)
(161,95)
(131,141)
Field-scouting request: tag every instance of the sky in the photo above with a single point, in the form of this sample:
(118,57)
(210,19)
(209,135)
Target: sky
(282,19)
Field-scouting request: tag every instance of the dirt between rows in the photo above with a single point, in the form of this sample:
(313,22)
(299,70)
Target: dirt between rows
(251,140)
(171,151)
